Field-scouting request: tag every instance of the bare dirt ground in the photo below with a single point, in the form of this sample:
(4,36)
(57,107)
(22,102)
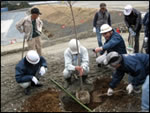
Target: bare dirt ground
(49,97)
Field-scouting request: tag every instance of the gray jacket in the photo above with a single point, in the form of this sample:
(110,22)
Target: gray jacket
(25,26)
(101,19)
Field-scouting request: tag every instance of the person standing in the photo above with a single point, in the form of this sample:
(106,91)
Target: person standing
(101,17)
(133,21)
(146,31)
(31,26)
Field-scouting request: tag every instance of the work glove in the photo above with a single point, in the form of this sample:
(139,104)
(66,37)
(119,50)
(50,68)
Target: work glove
(110,92)
(145,42)
(42,70)
(146,39)
(129,88)
(35,80)
(94,29)
(132,32)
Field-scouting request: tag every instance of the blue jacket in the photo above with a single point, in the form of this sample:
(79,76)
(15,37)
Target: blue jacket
(146,24)
(115,43)
(25,71)
(137,65)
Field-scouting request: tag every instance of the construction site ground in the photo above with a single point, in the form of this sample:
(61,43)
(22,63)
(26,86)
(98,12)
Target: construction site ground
(49,98)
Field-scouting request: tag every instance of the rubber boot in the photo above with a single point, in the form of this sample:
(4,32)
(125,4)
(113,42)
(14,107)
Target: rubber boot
(67,82)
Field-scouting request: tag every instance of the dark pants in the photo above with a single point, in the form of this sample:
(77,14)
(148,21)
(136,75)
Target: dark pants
(136,40)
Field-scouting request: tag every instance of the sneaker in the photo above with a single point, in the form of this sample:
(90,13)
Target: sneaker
(27,91)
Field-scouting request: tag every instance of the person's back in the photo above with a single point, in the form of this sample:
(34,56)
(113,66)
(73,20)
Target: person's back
(136,65)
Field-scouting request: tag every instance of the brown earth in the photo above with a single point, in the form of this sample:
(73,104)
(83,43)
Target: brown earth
(58,20)
(46,101)
(119,102)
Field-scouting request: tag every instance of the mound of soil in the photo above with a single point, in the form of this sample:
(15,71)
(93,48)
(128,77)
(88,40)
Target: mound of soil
(58,20)
(46,101)
(62,15)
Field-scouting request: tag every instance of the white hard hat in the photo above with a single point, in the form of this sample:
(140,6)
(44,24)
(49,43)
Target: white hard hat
(105,28)
(127,10)
(32,57)
(112,58)
(73,46)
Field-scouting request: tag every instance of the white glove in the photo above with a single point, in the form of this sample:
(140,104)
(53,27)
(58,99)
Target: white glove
(129,88)
(42,71)
(110,92)
(146,39)
(34,79)
(94,29)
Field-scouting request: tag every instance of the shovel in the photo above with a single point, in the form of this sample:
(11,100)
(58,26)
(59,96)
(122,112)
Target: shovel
(83,95)
(96,96)
(23,48)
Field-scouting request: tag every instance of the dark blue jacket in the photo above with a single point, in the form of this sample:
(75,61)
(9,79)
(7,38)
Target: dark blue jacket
(115,43)
(25,71)
(146,24)
(137,65)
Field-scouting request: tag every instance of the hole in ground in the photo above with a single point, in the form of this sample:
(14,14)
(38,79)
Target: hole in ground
(120,101)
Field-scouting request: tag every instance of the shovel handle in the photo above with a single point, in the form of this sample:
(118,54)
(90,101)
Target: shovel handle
(23,48)
(105,94)
(81,83)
